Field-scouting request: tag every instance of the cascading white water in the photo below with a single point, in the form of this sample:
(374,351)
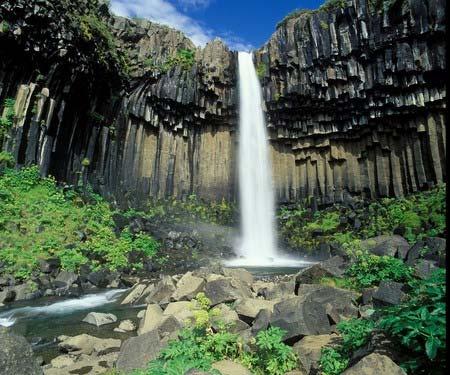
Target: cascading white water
(258,243)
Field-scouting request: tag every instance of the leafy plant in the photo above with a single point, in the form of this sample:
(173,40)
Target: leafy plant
(6,118)
(273,356)
(419,324)
(354,334)
(39,220)
(368,270)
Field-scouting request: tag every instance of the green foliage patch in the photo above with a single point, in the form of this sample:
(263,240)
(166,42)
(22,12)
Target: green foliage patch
(38,220)
(368,270)
(199,346)
(420,215)
(6,118)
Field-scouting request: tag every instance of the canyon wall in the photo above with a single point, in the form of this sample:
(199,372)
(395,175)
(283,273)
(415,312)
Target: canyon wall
(355,104)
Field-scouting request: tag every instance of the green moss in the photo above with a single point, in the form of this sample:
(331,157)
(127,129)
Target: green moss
(261,70)
(6,118)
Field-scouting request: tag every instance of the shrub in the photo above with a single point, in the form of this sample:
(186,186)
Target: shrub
(6,118)
(39,220)
(419,324)
(261,70)
(368,270)
(355,333)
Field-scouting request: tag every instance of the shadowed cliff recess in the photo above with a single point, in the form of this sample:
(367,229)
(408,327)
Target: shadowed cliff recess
(354,96)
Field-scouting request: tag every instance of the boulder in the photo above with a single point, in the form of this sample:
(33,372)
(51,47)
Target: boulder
(229,318)
(432,249)
(239,274)
(276,291)
(250,307)
(391,245)
(374,364)
(388,293)
(309,348)
(182,310)
(134,294)
(65,279)
(99,319)
(226,290)
(125,326)
(187,287)
(300,317)
(261,321)
(16,355)
(162,292)
(424,268)
(339,303)
(227,367)
(136,352)
(332,267)
(152,316)
(87,344)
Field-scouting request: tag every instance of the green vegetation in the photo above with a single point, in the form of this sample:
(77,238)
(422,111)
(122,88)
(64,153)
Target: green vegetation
(419,215)
(261,70)
(6,118)
(368,270)
(38,220)
(199,346)
(184,58)
(4,27)
(354,333)
(192,209)
(95,32)
(417,325)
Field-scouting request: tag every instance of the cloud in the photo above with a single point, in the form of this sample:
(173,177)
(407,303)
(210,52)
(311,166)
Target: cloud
(164,12)
(194,3)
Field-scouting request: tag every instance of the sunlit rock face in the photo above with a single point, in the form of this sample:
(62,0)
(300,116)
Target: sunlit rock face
(355,105)
(355,101)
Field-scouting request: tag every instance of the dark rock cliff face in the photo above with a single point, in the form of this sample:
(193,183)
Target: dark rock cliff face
(354,104)
(356,100)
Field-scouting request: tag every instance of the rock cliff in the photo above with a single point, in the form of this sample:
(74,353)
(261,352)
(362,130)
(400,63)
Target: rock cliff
(355,101)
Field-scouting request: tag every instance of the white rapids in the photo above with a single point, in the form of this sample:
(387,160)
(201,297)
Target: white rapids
(8,318)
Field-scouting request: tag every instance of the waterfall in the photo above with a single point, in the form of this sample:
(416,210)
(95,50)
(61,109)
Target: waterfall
(258,244)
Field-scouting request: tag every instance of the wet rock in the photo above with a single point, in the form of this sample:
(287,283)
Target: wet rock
(388,293)
(99,319)
(16,355)
(375,364)
(226,290)
(136,352)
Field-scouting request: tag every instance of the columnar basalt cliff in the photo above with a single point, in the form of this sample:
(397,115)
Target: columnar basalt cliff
(356,98)
(355,101)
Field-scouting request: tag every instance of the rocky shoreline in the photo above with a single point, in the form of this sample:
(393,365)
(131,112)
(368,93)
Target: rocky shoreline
(300,304)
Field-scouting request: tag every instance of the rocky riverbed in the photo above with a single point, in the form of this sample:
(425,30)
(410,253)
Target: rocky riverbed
(301,304)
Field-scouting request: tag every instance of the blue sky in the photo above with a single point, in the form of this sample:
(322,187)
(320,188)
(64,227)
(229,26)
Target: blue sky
(242,24)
